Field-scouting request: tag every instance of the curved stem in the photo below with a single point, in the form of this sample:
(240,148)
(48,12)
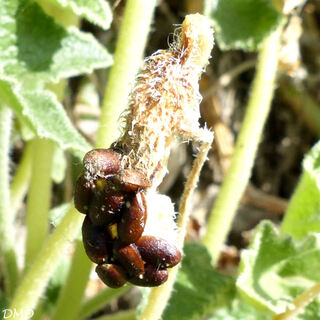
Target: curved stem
(300,303)
(8,255)
(21,179)
(35,280)
(237,177)
(72,293)
(100,300)
(127,60)
(159,296)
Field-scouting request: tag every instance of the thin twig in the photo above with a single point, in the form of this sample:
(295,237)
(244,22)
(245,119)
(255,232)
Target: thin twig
(300,303)
(159,296)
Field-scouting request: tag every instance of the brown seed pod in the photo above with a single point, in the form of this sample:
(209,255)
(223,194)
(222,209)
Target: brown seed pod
(152,277)
(131,180)
(130,258)
(102,162)
(105,208)
(83,193)
(112,275)
(97,242)
(158,252)
(133,220)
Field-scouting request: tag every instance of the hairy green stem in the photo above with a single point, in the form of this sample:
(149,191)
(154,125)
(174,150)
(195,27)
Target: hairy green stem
(237,177)
(127,60)
(8,255)
(39,198)
(21,180)
(72,293)
(100,300)
(51,253)
(35,281)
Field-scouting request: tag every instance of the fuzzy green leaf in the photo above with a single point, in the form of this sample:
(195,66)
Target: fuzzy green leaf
(96,11)
(303,213)
(199,287)
(34,49)
(45,115)
(243,24)
(274,269)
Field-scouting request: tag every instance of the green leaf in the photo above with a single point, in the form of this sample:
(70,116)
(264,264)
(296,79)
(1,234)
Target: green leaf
(96,11)
(238,311)
(45,115)
(199,288)
(274,269)
(243,24)
(34,49)
(303,212)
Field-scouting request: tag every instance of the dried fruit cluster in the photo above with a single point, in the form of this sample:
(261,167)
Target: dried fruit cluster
(113,199)
(164,105)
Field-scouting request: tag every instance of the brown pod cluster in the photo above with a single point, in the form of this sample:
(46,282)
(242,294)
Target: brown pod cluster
(113,200)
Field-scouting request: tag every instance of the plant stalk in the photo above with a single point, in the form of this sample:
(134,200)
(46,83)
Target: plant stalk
(7,251)
(159,296)
(238,175)
(100,300)
(127,60)
(21,179)
(300,303)
(39,198)
(72,293)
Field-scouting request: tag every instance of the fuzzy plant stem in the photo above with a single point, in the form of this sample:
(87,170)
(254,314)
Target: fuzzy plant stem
(37,277)
(159,296)
(300,303)
(39,198)
(127,60)
(72,293)
(100,300)
(21,179)
(237,177)
(8,255)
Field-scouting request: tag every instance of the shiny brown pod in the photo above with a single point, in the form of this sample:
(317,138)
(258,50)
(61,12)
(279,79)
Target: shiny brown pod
(130,259)
(102,162)
(131,180)
(133,220)
(112,275)
(97,242)
(83,193)
(152,277)
(105,208)
(158,252)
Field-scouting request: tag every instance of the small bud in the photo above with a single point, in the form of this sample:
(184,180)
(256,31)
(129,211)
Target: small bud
(130,258)
(82,194)
(152,277)
(112,275)
(158,252)
(102,162)
(96,241)
(133,220)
